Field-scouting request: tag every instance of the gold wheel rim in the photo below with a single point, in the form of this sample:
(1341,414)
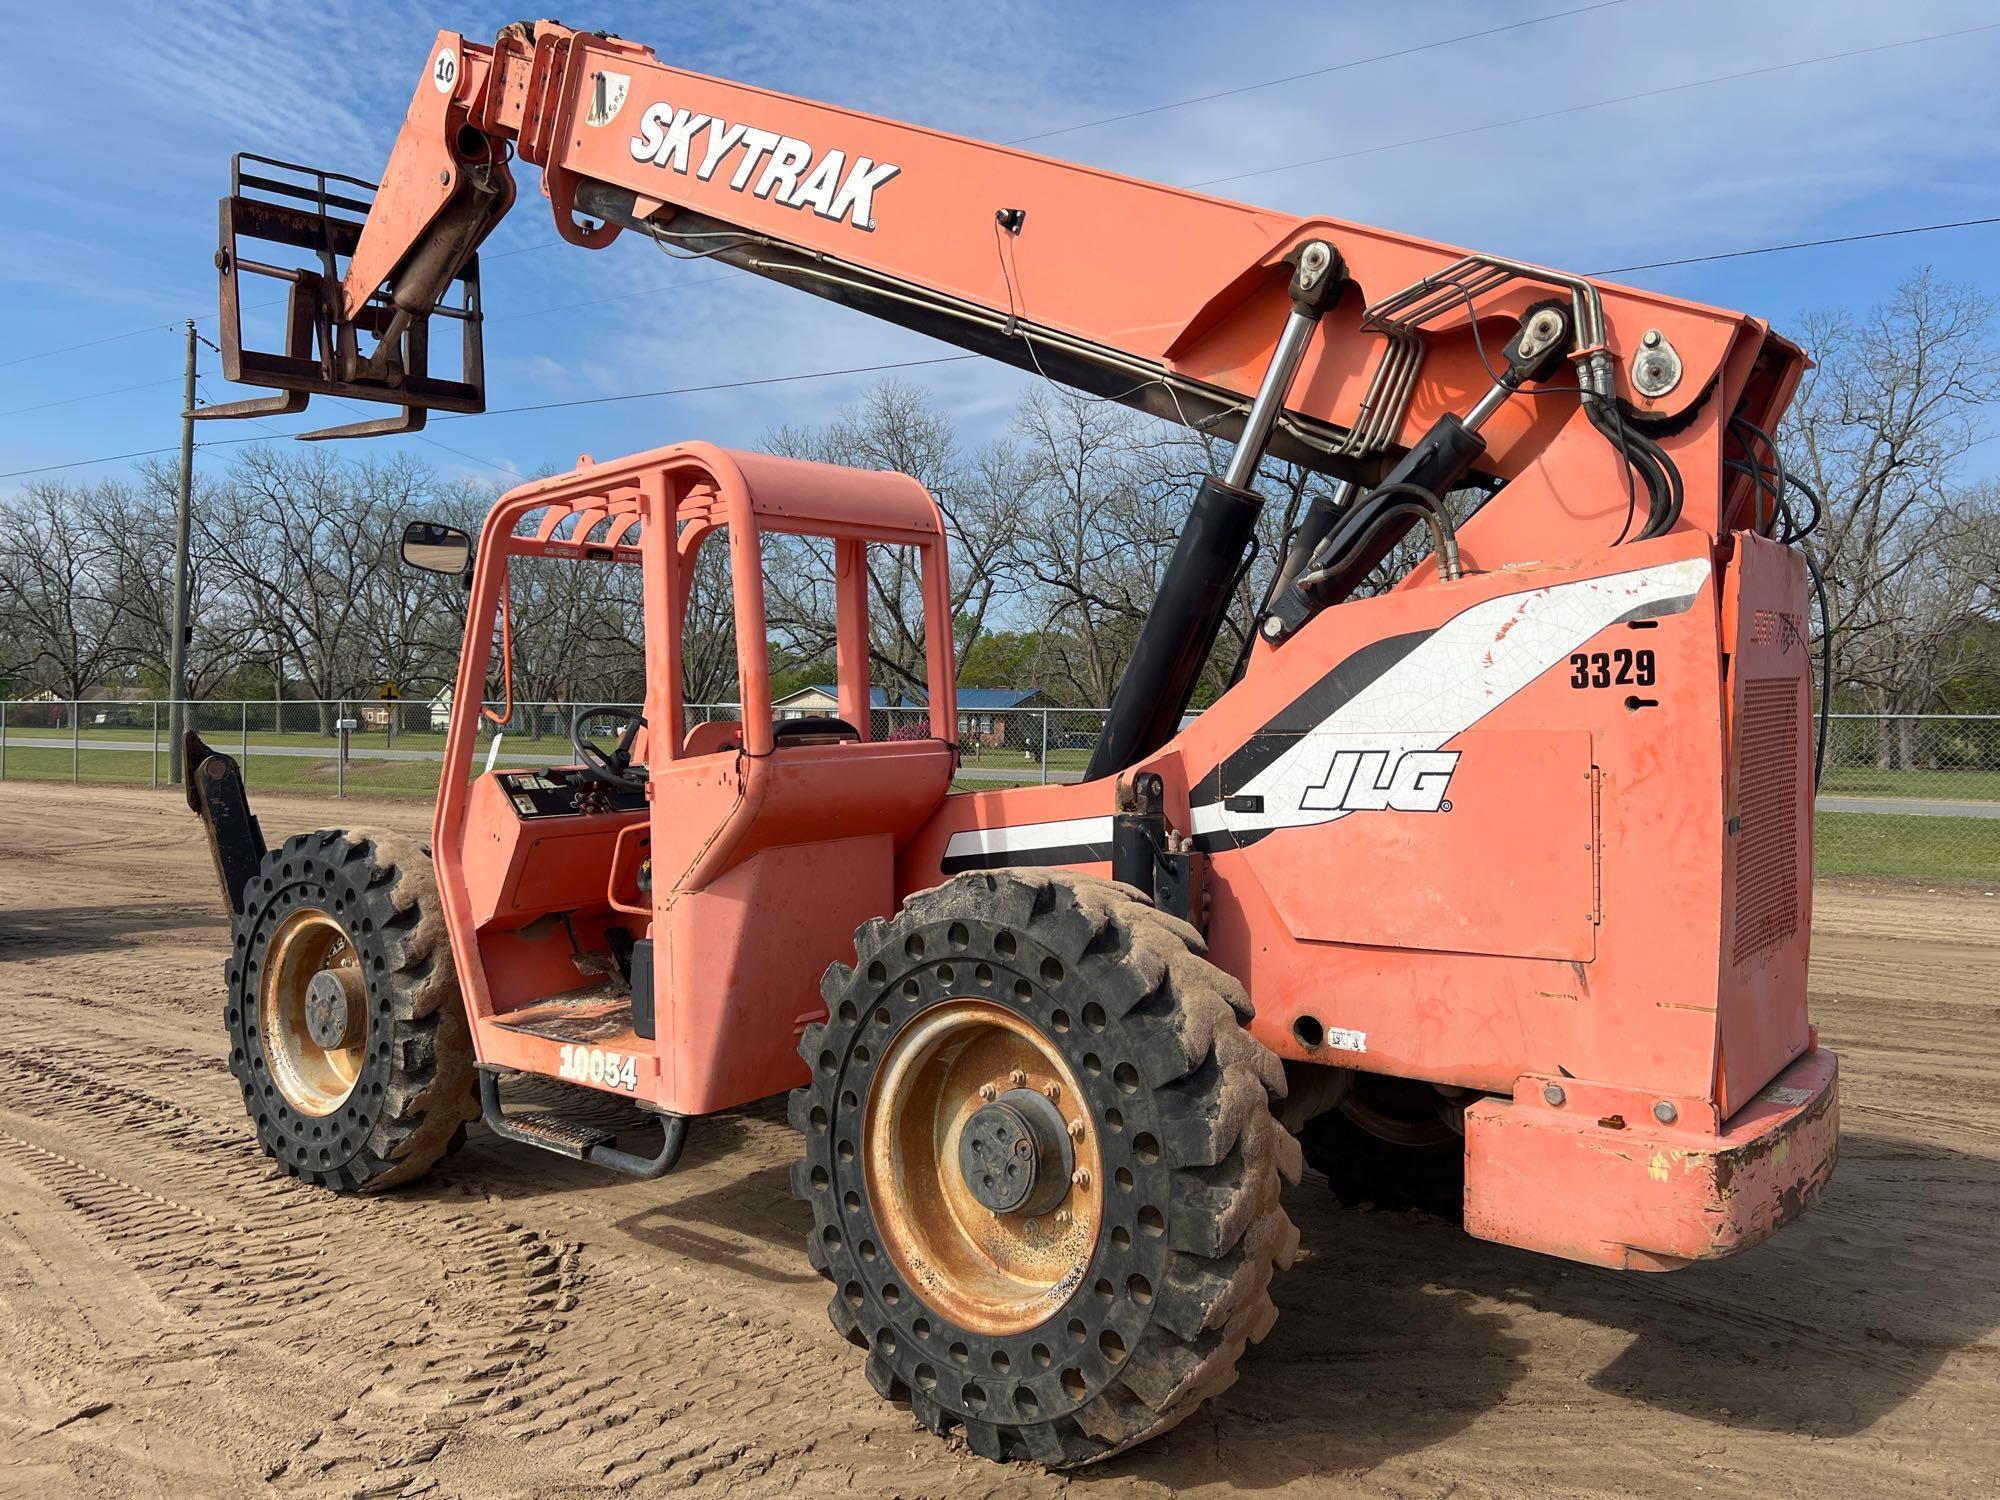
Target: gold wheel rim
(989,1272)
(315,1080)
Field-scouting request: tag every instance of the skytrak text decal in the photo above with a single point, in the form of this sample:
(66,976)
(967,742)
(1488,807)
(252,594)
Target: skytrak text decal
(782,168)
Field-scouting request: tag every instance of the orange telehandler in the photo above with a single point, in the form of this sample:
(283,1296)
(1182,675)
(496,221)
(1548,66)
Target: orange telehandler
(1492,888)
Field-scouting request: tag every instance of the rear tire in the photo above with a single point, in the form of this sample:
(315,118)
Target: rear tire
(1121,1294)
(384,1087)
(1389,1144)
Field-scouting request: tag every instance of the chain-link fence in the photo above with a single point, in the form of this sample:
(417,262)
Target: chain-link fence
(1911,796)
(1907,796)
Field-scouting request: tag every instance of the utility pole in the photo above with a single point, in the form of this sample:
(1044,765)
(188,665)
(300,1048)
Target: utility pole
(177,651)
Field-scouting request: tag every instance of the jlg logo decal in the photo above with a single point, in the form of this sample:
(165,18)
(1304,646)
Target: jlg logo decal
(1365,781)
(785,169)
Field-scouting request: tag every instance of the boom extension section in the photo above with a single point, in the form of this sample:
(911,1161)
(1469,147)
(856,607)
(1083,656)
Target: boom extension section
(1153,296)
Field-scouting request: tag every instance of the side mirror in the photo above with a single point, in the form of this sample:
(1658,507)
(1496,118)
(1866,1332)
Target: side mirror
(437,549)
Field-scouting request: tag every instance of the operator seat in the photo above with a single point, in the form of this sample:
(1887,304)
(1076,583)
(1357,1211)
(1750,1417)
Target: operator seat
(719,735)
(815,729)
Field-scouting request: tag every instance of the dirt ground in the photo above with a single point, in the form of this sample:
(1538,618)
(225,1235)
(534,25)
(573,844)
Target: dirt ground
(178,1319)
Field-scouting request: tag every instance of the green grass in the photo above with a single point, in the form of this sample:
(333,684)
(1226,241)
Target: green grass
(267,773)
(1884,845)
(230,738)
(992,758)
(1952,785)
(1881,846)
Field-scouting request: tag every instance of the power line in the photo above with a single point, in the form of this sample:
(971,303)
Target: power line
(533,312)
(951,359)
(112,458)
(724,385)
(1018,140)
(727,385)
(1574,109)
(173,327)
(1839,239)
(363,412)
(1271,83)
(948,359)
(1267,171)
(109,338)
(143,385)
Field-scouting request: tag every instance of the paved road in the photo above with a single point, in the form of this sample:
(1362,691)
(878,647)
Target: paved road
(1911,807)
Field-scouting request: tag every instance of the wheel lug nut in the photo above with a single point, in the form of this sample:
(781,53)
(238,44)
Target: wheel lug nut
(1052,1091)
(1076,1130)
(988,1092)
(1080,1177)
(1062,1216)
(1017,1078)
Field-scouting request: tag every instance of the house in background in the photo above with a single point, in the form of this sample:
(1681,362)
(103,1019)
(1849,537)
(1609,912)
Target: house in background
(986,716)
(821,701)
(1001,716)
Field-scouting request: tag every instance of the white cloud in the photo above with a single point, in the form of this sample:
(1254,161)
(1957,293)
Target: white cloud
(113,213)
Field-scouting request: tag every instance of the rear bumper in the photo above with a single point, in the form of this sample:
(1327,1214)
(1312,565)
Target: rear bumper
(1621,1189)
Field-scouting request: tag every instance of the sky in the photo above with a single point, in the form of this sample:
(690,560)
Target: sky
(116,138)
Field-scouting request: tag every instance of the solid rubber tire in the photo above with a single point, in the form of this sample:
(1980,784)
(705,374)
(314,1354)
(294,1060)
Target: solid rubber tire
(415,1092)
(1180,1274)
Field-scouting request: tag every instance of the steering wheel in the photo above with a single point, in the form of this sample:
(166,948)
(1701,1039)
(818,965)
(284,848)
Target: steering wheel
(613,767)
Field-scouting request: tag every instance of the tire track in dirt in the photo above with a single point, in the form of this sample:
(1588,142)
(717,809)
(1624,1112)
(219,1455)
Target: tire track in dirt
(243,1253)
(518,1326)
(247,1254)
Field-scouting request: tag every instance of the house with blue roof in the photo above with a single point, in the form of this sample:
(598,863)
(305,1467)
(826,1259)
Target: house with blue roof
(986,716)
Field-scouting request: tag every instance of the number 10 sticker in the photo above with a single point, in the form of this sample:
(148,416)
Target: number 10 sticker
(444,72)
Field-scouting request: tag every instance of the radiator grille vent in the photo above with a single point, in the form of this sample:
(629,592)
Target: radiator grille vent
(1770,627)
(1767,846)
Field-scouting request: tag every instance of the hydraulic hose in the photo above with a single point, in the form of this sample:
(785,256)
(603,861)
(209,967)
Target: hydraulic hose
(1660,498)
(1418,504)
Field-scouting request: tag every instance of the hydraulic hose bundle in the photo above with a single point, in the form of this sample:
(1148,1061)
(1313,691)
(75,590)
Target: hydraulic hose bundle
(1782,526)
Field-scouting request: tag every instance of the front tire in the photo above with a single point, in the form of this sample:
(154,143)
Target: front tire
(1061,1025)
(346,1031)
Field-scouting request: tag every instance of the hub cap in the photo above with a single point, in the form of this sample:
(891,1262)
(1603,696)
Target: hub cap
(336,1007)
(1014,1154)
(966,1091)
(312,1010)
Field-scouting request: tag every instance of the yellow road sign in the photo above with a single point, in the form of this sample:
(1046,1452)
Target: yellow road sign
(390,692)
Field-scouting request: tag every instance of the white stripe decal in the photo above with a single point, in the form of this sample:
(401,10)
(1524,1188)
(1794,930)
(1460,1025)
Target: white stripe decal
(1059,834)
(1460,673)
(1465,669)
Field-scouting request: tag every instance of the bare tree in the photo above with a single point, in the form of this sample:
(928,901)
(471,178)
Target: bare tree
(1105,506)
(895,427)
(308,544)
(139,524)
(1880,430)
(60,590)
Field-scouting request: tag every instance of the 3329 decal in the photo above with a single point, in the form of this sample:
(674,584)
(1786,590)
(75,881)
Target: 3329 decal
(1624,667)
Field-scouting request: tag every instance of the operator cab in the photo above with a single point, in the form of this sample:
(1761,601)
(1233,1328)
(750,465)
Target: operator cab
(583,885)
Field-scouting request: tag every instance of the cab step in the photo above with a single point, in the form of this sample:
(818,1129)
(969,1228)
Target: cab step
(553,1133)
(547,1131)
